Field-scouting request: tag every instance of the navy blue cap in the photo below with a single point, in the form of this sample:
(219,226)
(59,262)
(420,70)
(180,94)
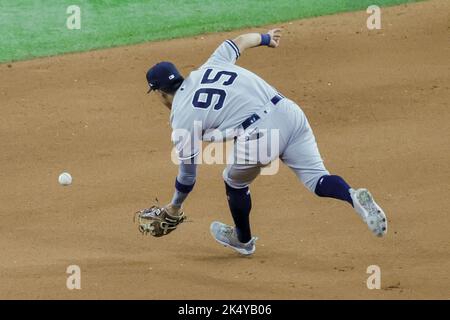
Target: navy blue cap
(163,76)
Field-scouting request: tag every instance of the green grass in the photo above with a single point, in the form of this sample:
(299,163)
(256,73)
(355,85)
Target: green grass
(35,28)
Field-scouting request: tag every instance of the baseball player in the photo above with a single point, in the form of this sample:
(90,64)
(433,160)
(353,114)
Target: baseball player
(224,97)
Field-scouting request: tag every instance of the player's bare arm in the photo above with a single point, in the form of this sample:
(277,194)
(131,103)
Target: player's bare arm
(251,40)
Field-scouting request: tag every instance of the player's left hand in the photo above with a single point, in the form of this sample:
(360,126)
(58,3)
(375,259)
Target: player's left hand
(275,36)
(173,210)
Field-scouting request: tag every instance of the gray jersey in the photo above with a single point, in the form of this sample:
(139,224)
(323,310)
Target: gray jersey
(217,96)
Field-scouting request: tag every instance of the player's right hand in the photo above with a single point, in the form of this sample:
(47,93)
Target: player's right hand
(275,36)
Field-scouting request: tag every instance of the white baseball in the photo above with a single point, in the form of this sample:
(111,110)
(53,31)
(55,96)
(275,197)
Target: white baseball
(65,179)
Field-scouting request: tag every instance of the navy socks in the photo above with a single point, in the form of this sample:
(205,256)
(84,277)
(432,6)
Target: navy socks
(333,187)
(240,204)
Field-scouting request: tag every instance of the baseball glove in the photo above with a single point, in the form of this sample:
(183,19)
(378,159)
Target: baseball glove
(157,221)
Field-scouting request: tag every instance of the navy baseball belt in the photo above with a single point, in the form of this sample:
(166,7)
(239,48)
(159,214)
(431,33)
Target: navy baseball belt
(254,117)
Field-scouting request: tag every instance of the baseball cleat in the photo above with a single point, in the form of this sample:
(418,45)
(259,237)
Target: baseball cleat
(227,236)
(369,211)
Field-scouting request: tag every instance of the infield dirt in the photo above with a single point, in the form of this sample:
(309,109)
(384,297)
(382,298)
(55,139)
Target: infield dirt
(377,102)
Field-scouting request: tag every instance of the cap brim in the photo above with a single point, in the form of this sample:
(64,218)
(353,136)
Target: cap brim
(149,90)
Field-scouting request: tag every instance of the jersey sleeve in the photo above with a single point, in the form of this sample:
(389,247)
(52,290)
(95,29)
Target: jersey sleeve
(187,141)
(187,173)
(227,52)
